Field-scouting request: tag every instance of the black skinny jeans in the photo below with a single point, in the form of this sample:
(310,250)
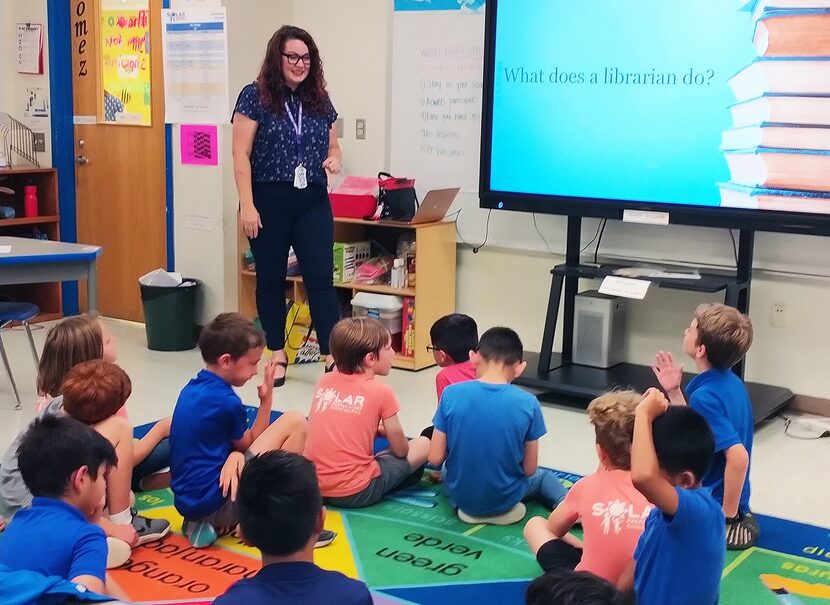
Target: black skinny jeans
(301,218)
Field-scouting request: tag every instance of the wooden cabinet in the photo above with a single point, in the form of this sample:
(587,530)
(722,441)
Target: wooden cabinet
(433,292)
(47,223)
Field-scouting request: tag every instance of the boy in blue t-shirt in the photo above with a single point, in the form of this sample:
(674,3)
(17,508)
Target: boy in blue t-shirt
(209,437)
(717,338)
(281,513)
(680,556)
(487,430)
(64,464)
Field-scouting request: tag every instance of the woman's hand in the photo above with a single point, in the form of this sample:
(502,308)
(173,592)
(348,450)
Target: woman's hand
(332,164)
(251,223)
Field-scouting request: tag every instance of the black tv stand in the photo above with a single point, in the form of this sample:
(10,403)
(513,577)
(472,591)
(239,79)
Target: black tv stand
(554,373)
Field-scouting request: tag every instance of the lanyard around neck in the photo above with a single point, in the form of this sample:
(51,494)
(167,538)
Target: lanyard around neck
(298,123)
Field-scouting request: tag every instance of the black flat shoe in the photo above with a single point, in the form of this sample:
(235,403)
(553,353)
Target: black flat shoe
(329,368)
(278,382)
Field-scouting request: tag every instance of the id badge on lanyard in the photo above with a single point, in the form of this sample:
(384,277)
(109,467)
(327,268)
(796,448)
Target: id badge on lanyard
(300,177)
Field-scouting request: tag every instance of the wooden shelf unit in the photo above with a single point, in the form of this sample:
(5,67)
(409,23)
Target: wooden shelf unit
(45,296)
(434,290)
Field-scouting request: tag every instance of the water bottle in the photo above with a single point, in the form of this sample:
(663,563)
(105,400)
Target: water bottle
(30,201)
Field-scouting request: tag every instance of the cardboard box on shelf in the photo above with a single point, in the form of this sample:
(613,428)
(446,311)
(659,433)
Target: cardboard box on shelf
(347,256)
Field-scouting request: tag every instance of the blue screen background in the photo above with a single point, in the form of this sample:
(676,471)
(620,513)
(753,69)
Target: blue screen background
(654,143)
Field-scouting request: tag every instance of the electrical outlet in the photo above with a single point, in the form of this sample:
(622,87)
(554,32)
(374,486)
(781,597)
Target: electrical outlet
(39,141)
(779,315)
(360,129)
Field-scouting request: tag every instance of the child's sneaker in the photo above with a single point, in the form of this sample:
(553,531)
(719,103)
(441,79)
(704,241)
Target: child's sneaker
(325,538)
(149,529)
(741,532)
(199,533)
(514,515)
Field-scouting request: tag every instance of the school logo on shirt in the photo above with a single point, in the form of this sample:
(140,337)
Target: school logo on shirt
(325,399)
(618,515)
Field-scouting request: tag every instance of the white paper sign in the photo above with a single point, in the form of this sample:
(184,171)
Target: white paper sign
(29,48)
(199,222)
(647,217)
(195,44)
(625,287)
(5,249)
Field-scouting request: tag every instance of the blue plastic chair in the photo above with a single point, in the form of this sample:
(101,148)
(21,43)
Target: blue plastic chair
(22,312)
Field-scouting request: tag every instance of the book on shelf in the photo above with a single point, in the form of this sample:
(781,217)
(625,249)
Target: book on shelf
(763,198)
(780,168)
(803,33)
(783,136)
(782,110)
(759,7)
(784,76)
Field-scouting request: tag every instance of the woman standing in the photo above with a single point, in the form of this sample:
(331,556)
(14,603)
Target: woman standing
(284,142)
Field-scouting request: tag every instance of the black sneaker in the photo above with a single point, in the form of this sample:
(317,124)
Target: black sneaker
(741,532)
(325,538)
(149,529)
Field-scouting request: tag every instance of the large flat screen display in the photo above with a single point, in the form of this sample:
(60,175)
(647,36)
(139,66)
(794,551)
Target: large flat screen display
(716,111)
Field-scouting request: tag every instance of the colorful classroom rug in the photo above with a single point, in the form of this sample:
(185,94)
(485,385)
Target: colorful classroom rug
(413,549)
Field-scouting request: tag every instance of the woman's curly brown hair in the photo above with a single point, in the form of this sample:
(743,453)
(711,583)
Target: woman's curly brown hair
(273,91)
(612,415)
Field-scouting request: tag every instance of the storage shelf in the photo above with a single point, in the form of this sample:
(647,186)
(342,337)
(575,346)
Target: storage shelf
(29,220)
(399,225)
(402,362)
(377,288)
(47,296)
(434,293)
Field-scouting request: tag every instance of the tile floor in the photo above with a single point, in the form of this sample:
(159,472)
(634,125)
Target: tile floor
(789,476)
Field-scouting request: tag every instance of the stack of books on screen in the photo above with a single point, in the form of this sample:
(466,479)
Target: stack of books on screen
(778,149)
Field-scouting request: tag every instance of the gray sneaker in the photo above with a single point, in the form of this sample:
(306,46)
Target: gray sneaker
(149,529)
(325,538)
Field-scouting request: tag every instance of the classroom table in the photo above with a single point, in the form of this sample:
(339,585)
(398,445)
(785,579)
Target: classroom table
(33,261)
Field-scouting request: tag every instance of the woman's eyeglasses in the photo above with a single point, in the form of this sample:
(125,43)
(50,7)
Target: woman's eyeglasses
(430,349)
(294,58)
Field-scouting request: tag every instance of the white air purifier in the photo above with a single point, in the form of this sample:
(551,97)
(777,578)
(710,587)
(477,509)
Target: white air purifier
(599,330)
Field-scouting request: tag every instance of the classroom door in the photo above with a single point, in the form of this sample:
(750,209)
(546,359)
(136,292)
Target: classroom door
(120,183)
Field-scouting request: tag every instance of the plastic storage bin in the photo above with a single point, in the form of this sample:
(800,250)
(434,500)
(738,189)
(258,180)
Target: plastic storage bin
(382,307)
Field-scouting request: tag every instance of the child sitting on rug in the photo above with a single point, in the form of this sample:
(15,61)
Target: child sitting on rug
(72,341)
(487,430)
(86,337)
(347,409)
(680,556)
(566,587)
(209,437)
(717,338)
(65,465)
(93,392)
(452,338)
(281,514)
(611,509)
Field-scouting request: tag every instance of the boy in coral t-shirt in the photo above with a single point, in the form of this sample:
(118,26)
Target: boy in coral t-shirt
(611,509)
(347,409)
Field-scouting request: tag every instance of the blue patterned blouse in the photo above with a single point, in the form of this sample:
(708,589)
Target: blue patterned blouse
(274,154)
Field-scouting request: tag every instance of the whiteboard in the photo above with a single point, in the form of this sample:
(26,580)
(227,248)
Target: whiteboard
(435,134)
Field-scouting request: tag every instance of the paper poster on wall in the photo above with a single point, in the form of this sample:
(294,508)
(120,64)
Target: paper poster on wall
(36,109)
(125,62)
(199,145)
(437,65)
(29,48)
(195,43)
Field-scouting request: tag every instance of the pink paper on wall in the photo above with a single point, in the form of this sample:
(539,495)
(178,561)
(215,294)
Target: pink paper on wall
(199,145)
